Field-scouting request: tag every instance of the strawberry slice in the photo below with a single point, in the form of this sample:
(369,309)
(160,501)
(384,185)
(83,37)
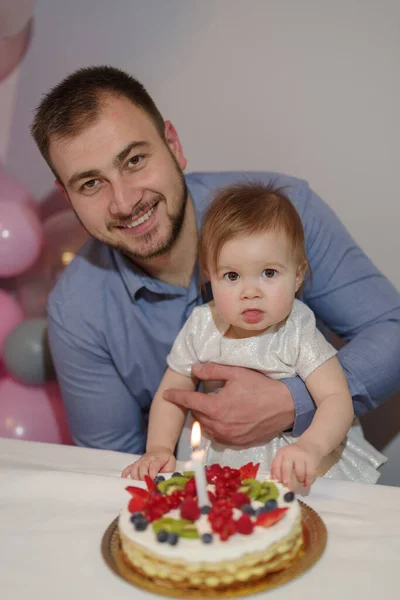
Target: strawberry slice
(249,471)
(136,504)
(137,491)
(270,518)
(151,485)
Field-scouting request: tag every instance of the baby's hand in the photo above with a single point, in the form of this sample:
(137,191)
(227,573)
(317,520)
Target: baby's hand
(296,463)
(150,464)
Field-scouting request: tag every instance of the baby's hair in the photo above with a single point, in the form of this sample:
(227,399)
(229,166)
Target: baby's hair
(247,209)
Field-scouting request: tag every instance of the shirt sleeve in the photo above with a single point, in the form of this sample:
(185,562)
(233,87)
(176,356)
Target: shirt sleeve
(313,348)
(183,355)
(354,300)
(101,410)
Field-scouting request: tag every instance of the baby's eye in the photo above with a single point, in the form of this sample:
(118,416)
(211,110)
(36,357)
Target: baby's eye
(231,276)
(269,273)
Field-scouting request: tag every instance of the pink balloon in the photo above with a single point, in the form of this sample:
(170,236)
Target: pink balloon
(63,236)
(20,238)
(33,413)
(10,189)
(11,314)
(13,48)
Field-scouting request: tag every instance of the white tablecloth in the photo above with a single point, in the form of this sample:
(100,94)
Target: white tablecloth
(57,501)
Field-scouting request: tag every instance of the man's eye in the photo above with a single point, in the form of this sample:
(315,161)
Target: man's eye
(90,185)
(135,160)
(269,273)
(231,276)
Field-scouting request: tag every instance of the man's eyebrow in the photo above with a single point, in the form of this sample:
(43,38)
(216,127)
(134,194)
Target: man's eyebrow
(84,175)
(126,151)
(116,162)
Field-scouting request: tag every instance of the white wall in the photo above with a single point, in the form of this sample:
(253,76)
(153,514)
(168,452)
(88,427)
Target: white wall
(310,88)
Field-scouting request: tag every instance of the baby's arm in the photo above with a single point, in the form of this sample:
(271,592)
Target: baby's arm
(328,387)
(165,424)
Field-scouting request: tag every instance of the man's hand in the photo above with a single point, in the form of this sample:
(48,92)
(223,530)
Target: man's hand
(250,409)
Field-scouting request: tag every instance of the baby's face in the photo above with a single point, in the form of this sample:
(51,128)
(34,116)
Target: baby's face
(255,283)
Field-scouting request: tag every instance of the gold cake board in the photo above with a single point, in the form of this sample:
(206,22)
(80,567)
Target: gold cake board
(314,533)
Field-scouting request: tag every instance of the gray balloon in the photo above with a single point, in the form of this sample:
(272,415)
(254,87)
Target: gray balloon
(26,353)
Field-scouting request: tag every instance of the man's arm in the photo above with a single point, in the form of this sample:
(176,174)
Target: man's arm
(354,300)
(102,413)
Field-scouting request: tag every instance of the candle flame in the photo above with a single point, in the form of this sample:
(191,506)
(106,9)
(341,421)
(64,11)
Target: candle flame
(195,437)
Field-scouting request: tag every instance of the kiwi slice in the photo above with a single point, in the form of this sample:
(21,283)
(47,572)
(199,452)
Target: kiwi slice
(250,487)
(187,529)
(269,491)
(183,527)
(166,524)
(170,485)
(188,474)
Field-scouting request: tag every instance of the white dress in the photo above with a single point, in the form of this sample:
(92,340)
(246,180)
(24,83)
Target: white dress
(296,347)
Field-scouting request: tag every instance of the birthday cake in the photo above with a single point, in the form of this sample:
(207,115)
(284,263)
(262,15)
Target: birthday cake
(249,529)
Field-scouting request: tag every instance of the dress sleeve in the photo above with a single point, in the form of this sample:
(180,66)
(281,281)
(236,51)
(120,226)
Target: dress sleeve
(313,349)
(183,354)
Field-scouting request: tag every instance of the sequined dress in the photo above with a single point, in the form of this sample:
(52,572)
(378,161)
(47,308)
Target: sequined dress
(295,347)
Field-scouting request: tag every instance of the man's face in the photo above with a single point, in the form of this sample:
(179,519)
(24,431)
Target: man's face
(124,181)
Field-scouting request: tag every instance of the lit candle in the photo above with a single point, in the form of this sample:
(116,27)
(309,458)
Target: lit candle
(198,465)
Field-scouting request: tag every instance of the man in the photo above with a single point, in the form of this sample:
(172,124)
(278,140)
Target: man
(115,312)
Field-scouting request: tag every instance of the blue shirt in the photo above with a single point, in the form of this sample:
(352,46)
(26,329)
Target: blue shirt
(111,326)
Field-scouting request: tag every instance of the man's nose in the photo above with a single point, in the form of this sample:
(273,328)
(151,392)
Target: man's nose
(123,200)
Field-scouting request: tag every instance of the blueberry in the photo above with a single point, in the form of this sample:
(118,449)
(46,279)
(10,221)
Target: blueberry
(176,474)
(205,509)
(141,524)
(172,539)
(135,516)
(159,478)
(162,536)
(261,511)
(288,497)
(248,509)
(271,504)
(207,538)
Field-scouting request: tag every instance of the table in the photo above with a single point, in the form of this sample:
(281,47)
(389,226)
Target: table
(57,501)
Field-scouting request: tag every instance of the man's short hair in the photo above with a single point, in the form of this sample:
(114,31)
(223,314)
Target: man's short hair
(76,102)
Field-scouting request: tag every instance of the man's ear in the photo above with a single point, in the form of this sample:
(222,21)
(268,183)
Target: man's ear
(174,144)
(62,189)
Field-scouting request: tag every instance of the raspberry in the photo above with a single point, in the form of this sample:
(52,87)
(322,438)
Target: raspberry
(213,472)
(217,523)
(190,509)
(239,499)
(244,525)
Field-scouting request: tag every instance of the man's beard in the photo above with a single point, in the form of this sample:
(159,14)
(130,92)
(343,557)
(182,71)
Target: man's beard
(176,223)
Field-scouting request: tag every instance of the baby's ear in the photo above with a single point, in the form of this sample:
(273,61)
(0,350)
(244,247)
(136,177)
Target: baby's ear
(301,271)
